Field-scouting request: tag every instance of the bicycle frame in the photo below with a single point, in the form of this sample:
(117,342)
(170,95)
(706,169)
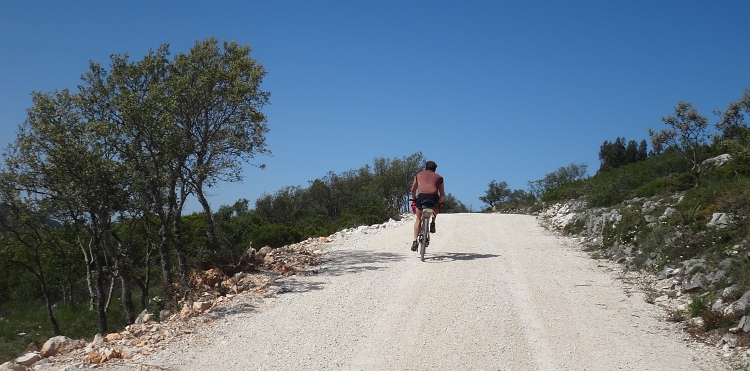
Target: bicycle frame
(424,231)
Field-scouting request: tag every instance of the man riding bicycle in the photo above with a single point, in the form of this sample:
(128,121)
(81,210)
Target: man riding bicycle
(431,192)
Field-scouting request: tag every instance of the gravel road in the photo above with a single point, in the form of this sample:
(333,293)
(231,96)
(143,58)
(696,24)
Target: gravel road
(497,292)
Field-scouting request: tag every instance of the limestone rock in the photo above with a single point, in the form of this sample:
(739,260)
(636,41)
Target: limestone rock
(163,315)
(52,346)
(261,254)
(139,320)
(93,358)
(730,292)
(744,324)
(719,220)
(201,306)
(667,213)
(12,366)
(717,161)
(28,359)
(98,340)
(717,306)
(113,336)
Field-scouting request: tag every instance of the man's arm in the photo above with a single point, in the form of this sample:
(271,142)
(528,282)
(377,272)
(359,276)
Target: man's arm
(414,186)
(441,191)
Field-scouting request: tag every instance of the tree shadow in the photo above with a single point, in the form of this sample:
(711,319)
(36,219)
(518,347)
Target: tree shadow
(346,262)
(458,256)
(341,263)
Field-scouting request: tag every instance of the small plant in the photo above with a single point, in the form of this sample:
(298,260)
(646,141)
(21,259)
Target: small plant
(698,306)
(156,305)
(575,227)
(713,320)
(690,215)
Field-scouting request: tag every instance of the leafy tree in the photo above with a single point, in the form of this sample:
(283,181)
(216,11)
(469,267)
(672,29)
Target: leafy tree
(218,105)
(394,178)
(735,134)
(686,133)
(133,101)
(61,158)
(612,155)
(495,193)
(452,205)
(557,179)
(31,246)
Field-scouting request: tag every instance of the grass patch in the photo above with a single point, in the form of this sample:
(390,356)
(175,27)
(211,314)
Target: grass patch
(76,322)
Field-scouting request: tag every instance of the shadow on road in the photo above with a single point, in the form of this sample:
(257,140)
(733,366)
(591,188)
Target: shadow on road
(345,262)
(457,256)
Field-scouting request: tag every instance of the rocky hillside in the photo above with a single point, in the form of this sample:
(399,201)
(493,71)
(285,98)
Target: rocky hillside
(703,288)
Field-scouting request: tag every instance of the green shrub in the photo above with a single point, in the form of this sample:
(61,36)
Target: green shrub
(699,305)
(657,186)
(275,235)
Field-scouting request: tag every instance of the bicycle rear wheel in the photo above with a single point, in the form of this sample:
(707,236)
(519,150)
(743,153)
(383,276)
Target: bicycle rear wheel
(425,237)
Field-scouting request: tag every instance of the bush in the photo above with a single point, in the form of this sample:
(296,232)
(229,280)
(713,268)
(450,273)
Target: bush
(275,235)
(657,186)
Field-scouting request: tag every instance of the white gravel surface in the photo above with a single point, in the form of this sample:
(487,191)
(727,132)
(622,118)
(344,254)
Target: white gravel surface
(497,292)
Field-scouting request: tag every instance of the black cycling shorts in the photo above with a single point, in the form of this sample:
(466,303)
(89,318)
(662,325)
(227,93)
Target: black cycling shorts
(427,200)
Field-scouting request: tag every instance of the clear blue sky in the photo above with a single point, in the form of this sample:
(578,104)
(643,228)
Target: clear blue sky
(489,90)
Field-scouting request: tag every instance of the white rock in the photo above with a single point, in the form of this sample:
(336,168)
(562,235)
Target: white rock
(667,213)
(12,366)
(719,220)
(53,346)
(717,161)
(28,359)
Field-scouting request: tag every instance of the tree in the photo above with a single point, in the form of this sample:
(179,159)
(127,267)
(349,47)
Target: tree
(612,155)
(31,241)
(218,104)
(686,132)
(495,193)
(642,151)
(452,205)
(735,134)
(556,179)
(394,177)
(631,153)
(616,154)
(61,157)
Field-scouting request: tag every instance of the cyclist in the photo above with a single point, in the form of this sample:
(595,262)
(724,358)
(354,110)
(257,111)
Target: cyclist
(431,190)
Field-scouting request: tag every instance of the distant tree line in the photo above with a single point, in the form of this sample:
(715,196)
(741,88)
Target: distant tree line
(616,154)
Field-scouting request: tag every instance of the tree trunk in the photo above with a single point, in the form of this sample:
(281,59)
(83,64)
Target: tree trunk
(50,316)
(166,264)
(126,281)
(177,239)
(100,303)
(213,242)
(175,210)
(88,258)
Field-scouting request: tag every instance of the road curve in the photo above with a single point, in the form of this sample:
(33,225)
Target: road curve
(496,292)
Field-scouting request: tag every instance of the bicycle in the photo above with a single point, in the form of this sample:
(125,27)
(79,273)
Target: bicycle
(423,238)
(424,231)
